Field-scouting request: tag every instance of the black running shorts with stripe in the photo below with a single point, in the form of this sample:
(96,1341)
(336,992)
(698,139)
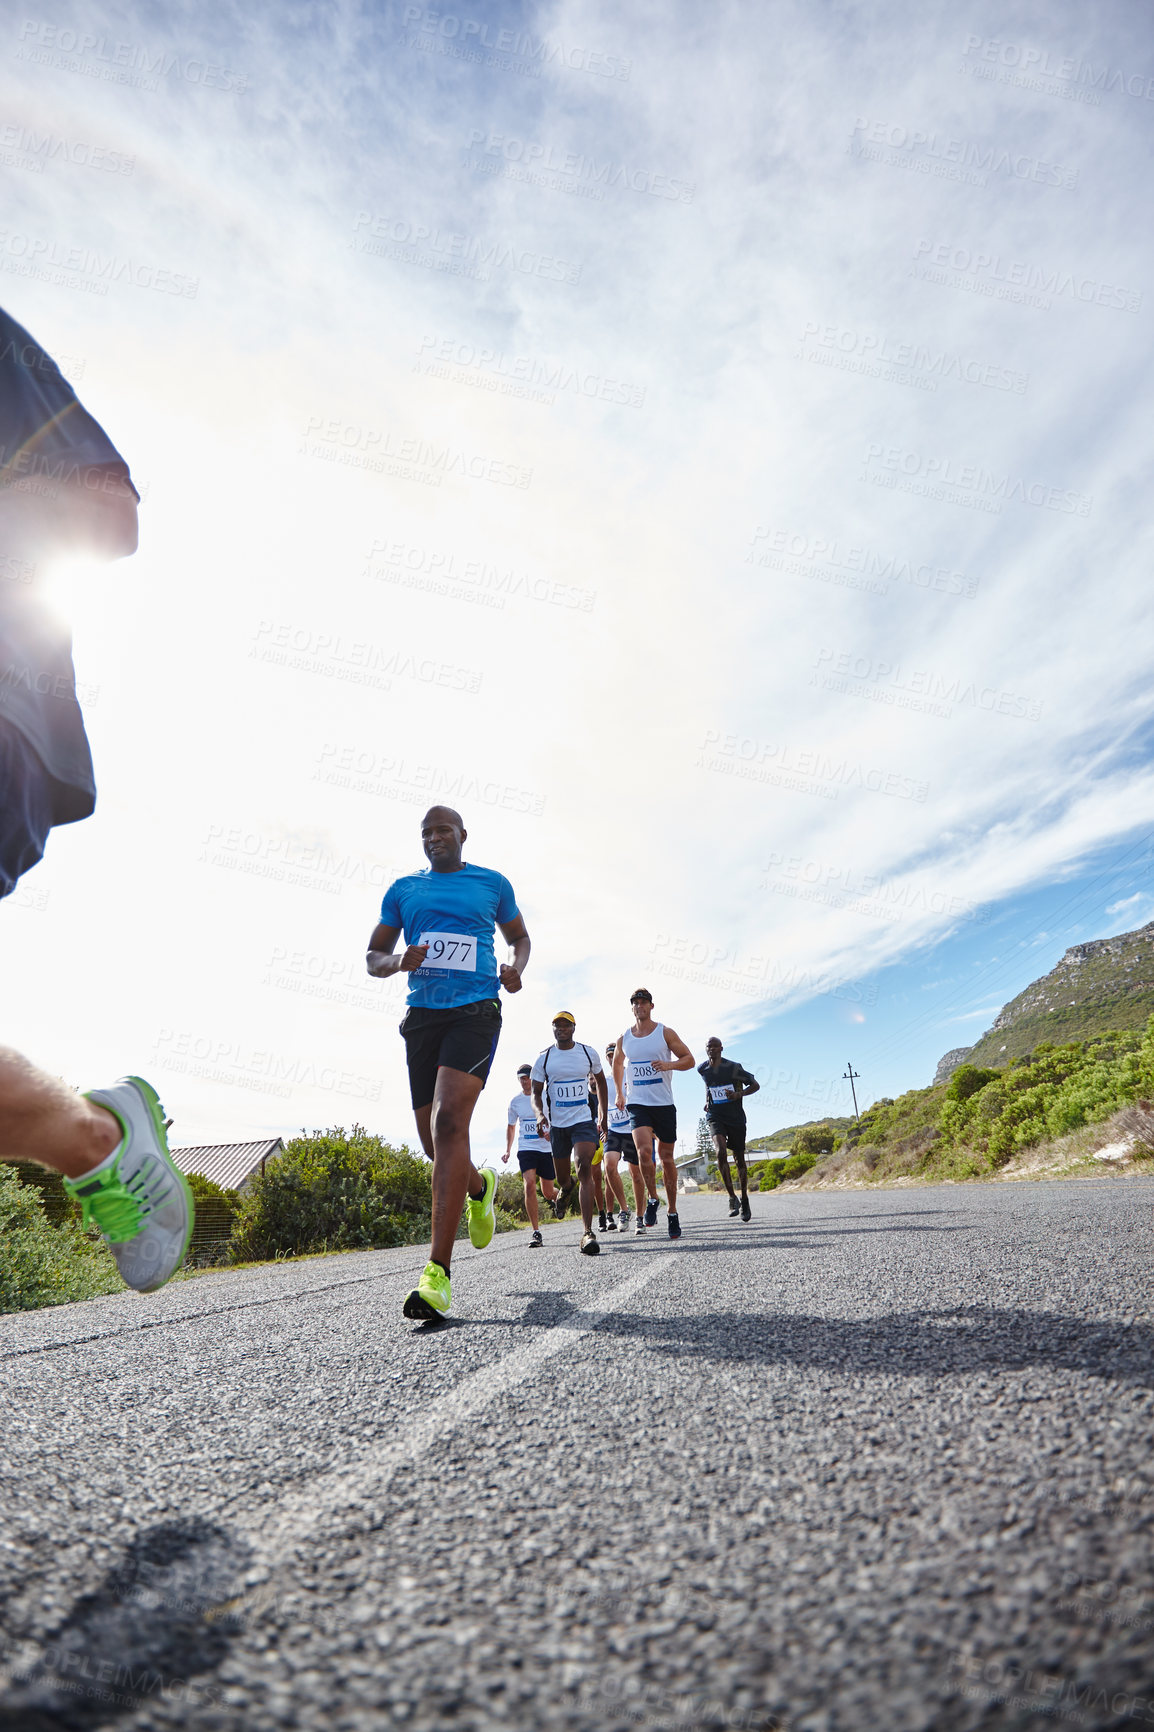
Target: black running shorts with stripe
(462,1038)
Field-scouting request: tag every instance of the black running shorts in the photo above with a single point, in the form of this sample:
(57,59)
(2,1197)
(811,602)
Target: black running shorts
(25,807)
(463,1038)
(621,1143)
(662,1121)
(538,1161)
(732,1129)
(565,1137)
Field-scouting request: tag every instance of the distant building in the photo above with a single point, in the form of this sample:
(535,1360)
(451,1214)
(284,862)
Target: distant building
(692,1171)
(232,1166)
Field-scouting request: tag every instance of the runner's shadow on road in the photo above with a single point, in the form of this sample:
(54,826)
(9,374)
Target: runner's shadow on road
(146,1635)
(948,1343)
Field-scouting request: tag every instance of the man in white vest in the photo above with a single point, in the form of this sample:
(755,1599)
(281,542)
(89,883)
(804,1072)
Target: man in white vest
(644,1057)
(561,1079)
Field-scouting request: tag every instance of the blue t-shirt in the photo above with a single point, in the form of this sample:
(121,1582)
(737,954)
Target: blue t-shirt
(455,913)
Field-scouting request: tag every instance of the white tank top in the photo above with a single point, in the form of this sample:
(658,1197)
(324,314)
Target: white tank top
(644,1086)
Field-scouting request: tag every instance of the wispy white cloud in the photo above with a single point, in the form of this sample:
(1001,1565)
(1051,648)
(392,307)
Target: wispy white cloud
(859,520)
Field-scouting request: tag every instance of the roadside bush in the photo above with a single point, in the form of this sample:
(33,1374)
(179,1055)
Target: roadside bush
(334,1191)
(42,1263)
(510,1197)
(813,1140)
(1059,1090)
(770,1174)
(968,1080)
(216,1210)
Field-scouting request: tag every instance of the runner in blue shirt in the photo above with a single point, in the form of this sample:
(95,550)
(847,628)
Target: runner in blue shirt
(451,1026)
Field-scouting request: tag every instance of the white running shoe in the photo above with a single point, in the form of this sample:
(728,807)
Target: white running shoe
(139,1198)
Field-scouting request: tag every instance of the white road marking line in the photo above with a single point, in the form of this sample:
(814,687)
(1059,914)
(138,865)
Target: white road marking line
(347,1491)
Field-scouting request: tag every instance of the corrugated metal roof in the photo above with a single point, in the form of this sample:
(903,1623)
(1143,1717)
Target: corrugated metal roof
(227,1164)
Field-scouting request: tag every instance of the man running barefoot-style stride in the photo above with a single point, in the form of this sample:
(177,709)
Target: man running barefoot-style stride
(726,1086)
(645,1055)
(451,1027)
(534,1156)
(561,1079)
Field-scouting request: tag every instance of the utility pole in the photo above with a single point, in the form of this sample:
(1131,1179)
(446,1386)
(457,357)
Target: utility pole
(848,1077)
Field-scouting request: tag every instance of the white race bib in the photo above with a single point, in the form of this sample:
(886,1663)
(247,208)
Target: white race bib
(619,1119)
(724,1093)
(529,1133)
(643,1072)
(564,1093)
(455,950)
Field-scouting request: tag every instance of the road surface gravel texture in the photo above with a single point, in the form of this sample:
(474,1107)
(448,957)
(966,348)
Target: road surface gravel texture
(872,1460)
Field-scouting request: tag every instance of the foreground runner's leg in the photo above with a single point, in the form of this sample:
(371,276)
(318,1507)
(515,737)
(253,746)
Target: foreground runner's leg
(111,1151)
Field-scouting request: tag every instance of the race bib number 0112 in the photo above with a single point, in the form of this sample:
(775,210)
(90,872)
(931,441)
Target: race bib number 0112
(569,1091)
(456,950)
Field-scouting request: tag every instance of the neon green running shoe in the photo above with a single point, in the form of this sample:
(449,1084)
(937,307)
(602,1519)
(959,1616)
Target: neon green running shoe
(140,1201)
(431,1296)
(482,1214)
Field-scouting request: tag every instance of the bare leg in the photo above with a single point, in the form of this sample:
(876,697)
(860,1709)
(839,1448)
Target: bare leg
(638,1189)
(668,1152)
(447,1123)
(43,1120)
(614,1189)
(742,1175)
(584,1154)
(598,1189)
(549,1189)
(530,1180)
(722,1148)
(643,1142)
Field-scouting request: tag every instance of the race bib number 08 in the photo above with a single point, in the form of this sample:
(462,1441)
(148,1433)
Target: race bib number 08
(456,950)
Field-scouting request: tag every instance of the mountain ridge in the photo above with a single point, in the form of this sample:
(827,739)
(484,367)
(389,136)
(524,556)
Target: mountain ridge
(1101,984)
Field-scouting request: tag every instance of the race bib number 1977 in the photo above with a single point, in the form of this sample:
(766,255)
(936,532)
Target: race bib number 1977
(450,950)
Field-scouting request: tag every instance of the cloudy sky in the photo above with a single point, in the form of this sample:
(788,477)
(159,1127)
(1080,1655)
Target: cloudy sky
(706,446)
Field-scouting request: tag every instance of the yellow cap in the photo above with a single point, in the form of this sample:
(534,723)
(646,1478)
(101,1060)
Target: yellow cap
(564,1016)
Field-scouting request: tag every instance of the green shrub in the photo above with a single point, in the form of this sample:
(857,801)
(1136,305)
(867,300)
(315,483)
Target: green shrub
(967,1080)
(42,1263)
(510,1197)
(813,1140)
(216,1211)
(770,1174)
(206,1190)
(334,1191)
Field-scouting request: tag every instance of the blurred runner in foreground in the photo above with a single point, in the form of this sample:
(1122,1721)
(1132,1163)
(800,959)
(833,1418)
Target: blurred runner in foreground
(65,493)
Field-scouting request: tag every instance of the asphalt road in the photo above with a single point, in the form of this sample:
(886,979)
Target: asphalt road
(870,1461)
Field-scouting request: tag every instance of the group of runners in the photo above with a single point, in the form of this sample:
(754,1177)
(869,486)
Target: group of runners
(65,490)
(569,1110)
